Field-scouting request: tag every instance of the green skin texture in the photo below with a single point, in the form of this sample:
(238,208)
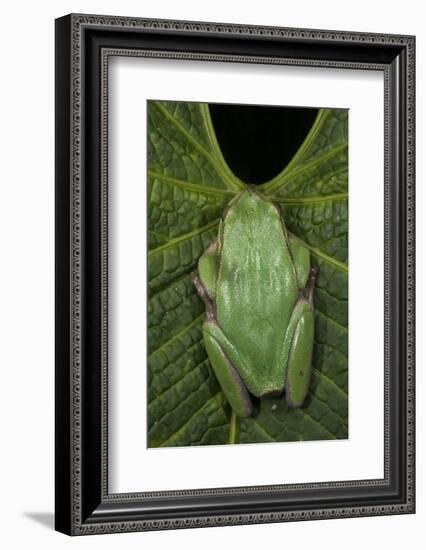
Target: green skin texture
(257,286)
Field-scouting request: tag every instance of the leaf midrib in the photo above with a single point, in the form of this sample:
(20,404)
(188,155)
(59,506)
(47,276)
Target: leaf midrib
(216,162)
(283,179)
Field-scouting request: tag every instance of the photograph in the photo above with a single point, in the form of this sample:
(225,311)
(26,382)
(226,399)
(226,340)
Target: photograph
(247,273)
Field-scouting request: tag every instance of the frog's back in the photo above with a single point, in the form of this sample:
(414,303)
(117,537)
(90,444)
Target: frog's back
(256,289)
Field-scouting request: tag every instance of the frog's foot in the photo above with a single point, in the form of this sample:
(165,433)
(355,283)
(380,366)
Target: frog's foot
(230,381)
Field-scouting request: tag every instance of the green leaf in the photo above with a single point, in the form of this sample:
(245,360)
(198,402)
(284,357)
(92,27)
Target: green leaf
(189,185)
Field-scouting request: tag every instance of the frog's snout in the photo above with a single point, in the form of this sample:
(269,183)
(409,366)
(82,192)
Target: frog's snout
(252,194)
(252,191)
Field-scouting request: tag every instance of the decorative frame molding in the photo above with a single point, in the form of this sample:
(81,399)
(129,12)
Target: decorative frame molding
(84,43)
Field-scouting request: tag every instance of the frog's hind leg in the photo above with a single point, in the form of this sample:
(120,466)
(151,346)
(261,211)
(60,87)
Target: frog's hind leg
(301,343)
(230,381)
(299,365)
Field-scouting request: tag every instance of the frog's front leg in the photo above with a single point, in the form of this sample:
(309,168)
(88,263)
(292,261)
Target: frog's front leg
(207,271)
(298,346)
(301,261)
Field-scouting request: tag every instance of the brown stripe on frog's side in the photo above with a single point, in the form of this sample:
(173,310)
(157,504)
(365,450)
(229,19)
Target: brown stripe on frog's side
(308,291)
(202,293)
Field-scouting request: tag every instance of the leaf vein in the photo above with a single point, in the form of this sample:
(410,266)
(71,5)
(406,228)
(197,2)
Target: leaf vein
(181,428)
(177,335)
(184,237)
(191,186)
(330,381)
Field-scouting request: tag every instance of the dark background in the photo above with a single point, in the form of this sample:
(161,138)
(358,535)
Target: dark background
(259,141)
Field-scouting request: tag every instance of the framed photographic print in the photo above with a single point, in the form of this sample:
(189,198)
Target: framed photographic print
(234,274)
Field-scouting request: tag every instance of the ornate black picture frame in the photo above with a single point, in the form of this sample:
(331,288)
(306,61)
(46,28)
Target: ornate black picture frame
(84,43)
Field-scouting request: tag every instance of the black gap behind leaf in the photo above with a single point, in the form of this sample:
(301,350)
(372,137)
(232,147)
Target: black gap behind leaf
(258,142)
